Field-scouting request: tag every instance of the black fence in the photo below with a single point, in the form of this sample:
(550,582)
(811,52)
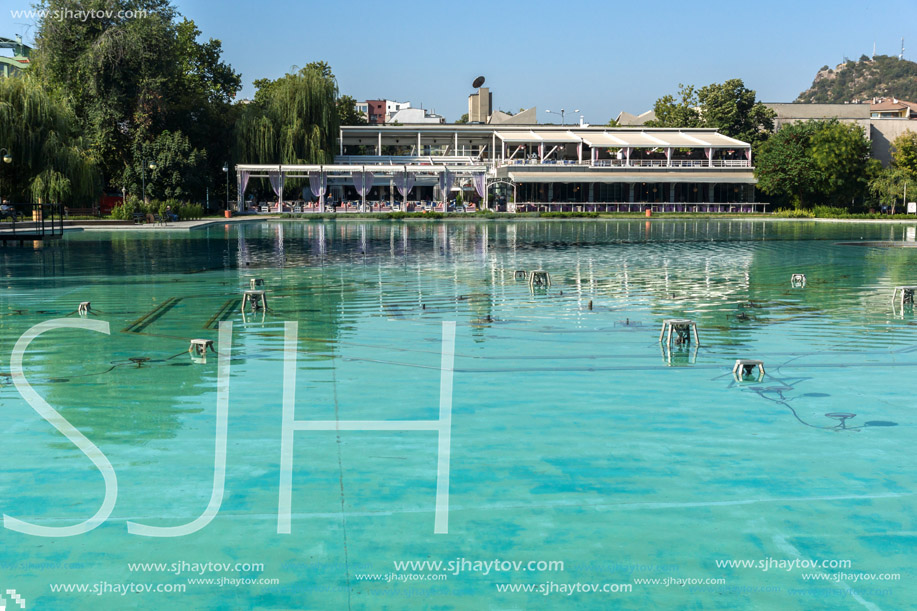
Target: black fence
(31,222)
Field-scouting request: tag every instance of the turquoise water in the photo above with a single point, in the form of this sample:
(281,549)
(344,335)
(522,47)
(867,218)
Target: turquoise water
(575,435)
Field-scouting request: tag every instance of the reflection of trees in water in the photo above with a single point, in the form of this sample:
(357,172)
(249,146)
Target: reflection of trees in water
(323,274)
(90,379)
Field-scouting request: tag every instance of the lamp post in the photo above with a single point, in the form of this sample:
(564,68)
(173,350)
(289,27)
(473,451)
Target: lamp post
(562,114)
(152,166)
(5,155)
(226,171)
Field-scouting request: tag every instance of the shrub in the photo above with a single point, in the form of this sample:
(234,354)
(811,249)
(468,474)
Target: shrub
(795,213)
(561,215)
(191,212)
(830,212)
(125,211)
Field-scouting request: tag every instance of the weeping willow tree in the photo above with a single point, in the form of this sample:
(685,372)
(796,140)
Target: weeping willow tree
(293,119)
(50,162)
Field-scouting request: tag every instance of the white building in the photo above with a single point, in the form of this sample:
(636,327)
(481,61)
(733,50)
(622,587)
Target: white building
(413,116)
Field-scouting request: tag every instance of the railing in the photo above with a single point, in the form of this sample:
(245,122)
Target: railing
(405,160)
(600,163)
(343,207)
(551,162)
(31,222)
(708,207)
(675,163)
(634,163)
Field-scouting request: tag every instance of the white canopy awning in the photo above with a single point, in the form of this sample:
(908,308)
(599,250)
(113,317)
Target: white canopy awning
(528,137)
(558,137)
(662,139)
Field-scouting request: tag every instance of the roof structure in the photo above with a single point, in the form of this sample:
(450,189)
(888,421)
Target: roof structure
(907,109)
(597,136)
(798,110)
(625,118)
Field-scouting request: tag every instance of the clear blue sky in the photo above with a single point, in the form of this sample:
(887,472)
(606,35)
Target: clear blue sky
(599,56)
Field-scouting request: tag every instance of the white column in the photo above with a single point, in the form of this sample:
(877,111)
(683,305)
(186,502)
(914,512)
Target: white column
(579,153)
(419,150)
(379,144)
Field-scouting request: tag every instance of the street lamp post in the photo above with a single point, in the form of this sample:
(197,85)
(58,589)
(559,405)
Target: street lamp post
(5,155)
(226,171)
(562,114)
(152,166)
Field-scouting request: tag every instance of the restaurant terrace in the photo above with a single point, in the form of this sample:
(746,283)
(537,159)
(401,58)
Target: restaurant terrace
(520,168)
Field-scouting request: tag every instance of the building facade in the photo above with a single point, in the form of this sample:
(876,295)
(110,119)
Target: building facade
(548,167)
(882,121)
(11,66)
(480,105)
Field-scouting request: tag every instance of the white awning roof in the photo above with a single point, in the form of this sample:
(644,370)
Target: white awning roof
(664,139)
(519,137)
(604,139)
(558,137)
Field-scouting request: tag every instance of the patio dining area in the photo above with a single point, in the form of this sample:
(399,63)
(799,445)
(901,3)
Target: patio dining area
(355,206)
(346,188)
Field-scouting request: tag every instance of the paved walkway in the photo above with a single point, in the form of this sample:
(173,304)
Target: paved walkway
(171,226)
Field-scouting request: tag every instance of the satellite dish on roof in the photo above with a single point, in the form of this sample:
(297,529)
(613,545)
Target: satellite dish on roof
(478,82)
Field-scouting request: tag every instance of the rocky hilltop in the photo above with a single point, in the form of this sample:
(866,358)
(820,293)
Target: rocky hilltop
(860,81)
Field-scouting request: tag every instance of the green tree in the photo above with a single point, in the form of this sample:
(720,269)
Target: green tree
(733,110)
(815,162)
(783,167)
(130,80)
(904,153)
(322,68)
(729,107)
(51,162)
(682,112)
(841,155)
(293,119)
(348,113)
(889,185)
(462,120)
(179,170)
